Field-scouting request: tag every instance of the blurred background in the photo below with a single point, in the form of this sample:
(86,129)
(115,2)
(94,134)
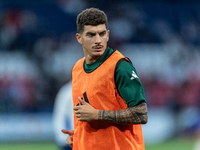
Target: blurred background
(38,49)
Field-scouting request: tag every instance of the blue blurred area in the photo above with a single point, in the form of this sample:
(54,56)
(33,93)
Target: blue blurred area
(38,49)
(51,18)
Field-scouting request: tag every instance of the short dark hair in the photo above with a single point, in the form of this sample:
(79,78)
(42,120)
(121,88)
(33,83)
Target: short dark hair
(90,16)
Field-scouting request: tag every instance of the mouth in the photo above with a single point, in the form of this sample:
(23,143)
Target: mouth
(98,48)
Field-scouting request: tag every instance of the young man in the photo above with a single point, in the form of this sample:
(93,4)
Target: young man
(108,97)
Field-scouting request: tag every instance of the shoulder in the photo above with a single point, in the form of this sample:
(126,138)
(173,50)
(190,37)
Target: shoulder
(79,63)
(125,70)
(124,64)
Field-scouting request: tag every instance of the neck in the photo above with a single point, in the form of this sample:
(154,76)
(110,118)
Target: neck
(90,59)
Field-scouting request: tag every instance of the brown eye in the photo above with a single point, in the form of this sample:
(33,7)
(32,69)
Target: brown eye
(102,33)
(91,34)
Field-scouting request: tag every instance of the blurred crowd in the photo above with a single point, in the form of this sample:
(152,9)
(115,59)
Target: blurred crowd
(38,49)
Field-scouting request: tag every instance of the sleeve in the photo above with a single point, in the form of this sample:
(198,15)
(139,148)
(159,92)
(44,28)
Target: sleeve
(128,83)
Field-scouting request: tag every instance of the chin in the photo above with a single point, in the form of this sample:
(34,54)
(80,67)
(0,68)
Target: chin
(98,54)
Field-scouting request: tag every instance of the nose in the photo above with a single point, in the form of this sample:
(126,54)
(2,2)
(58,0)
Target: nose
(97,39)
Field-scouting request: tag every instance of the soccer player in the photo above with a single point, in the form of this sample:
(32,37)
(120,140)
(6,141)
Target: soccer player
(108,97)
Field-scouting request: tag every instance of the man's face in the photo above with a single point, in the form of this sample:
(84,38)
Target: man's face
(94,41)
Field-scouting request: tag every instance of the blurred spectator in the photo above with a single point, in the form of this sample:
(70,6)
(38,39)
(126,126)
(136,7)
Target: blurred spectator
(14,23)
(72,6)
(18,78)
(63,115)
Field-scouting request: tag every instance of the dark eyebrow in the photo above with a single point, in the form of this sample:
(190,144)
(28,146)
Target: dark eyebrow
(102,31)
(90,33)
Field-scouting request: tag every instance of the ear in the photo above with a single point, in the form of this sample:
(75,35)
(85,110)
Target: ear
(108,32)
(78,37)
